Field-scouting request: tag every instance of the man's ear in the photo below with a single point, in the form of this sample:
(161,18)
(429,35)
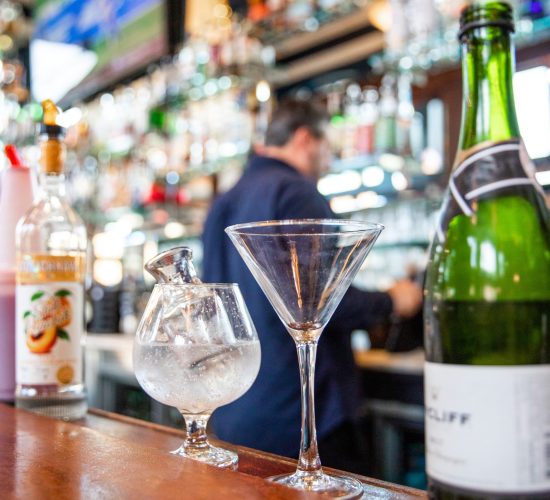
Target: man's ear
(302,136)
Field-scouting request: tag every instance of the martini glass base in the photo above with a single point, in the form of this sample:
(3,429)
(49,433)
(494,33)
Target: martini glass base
(218,457)
(333,485)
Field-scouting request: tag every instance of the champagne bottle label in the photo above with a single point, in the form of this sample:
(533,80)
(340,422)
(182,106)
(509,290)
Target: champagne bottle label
(501,412)
(49,321)
(498,170)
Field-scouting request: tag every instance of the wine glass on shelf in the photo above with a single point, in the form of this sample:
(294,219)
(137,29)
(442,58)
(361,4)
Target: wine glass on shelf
(196,349)
(304,267)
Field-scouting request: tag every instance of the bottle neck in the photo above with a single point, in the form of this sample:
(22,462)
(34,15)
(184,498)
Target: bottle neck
(488,109)
(52,184)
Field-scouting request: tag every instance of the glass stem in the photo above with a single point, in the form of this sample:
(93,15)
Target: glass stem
(309,454)
(196,440)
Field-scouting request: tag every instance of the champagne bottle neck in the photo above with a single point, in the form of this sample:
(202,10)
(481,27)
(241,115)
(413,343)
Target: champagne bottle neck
(488,109)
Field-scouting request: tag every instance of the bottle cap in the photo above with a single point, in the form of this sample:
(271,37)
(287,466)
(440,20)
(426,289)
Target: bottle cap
(477,15)
(49,124)
(16,199)
(13,156)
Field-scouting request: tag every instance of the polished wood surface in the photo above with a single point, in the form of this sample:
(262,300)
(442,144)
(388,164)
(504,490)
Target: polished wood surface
(110,456)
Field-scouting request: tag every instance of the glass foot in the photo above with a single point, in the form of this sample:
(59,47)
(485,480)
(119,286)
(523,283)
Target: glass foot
(218,457)
(332,485)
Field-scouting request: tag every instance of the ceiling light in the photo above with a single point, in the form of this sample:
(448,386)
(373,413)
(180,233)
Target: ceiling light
(373,176)
(399,181)
(343,204)
(263,91)
(349,180)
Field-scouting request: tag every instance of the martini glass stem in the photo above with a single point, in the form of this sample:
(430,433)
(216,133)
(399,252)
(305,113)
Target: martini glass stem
(196,440)
(309,453)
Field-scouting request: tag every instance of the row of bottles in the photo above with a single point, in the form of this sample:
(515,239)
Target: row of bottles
(379,126)
(368,121)
(421,34)
(188,116)
(202,59)
(198,133)
(273,17)
(147,155)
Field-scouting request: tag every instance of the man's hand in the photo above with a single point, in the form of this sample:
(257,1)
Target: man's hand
(406,297)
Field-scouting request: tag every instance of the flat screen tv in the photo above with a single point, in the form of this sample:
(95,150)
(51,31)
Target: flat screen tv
(80,47)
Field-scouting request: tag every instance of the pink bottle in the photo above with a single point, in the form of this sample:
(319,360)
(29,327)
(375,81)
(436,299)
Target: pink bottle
(16,196)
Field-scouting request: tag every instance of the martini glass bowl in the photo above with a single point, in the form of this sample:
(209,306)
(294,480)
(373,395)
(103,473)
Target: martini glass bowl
(304,267)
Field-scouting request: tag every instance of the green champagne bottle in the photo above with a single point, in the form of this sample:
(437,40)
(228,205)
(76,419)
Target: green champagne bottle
(487,307)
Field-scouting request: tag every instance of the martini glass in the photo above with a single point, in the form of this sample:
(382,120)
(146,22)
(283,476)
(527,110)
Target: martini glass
(304,267)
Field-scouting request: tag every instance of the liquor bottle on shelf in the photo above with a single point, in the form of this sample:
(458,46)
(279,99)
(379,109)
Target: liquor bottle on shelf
(352,104)
(368,115)
(487,309)
(337,119)
(386,128)
(404,114)
(51,247)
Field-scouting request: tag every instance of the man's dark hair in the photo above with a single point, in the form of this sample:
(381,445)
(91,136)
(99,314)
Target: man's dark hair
(292,114)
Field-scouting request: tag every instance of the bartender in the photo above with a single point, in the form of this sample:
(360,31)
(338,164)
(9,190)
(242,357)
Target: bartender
(280,183)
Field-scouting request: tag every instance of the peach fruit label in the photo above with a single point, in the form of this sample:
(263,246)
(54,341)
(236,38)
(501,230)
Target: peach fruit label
(49,333)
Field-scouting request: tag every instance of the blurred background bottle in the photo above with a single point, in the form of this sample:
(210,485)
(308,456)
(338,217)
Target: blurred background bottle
(386,128)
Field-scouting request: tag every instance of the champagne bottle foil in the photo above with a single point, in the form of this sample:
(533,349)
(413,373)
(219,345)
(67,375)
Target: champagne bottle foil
(501,169)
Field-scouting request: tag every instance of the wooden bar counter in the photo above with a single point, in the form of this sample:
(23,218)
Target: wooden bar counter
(110,456)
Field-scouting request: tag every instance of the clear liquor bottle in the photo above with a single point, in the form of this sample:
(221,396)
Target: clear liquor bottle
(487,308)
(51,246)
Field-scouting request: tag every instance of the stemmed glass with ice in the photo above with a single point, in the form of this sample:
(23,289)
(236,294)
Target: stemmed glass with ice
(195,348)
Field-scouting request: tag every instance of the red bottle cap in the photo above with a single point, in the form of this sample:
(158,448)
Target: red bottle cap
(13,156)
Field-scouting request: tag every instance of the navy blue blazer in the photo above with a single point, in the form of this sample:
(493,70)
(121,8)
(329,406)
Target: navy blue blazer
(267,417)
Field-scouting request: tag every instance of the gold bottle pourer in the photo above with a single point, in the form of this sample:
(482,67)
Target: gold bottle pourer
(53,150)
(51,112)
